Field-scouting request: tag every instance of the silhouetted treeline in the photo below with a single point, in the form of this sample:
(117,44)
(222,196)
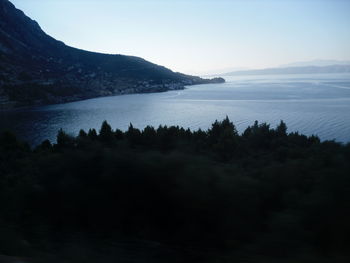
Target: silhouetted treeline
(265,192)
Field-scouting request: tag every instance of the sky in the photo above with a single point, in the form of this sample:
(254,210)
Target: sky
(201,36)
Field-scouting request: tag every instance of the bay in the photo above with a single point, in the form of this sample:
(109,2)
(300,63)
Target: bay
(310,104)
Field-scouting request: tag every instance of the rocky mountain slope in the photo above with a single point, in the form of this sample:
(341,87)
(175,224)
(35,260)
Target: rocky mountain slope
(37,69)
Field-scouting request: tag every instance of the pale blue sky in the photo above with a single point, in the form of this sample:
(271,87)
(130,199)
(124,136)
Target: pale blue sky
(199,36)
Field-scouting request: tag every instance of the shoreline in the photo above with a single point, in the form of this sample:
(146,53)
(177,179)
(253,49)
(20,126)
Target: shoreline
(13,105)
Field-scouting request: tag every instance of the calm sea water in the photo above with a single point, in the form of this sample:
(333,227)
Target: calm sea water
(311,104)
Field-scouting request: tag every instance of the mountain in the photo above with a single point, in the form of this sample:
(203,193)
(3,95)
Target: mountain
(293,70)
(317,62)
(38,69)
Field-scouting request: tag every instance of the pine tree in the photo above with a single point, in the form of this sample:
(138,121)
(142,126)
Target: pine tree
(106,133)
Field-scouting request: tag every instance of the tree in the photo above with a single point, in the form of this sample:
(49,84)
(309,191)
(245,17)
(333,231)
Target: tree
(133,135)
(45,145)
(281,129)
(222,127)
(106,133)
(223,137)
(118,134)
(259,135)
(92,134)
(64,140)
(82,134)
(149,136)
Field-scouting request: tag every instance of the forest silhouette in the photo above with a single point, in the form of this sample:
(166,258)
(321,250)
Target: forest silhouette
(266,192)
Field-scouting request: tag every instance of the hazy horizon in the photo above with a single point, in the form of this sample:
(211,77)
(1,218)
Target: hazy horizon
(201,37)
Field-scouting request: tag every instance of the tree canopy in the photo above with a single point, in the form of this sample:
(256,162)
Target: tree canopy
(269,192)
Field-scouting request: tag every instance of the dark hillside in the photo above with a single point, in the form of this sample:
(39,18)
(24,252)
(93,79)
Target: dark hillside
(35,68)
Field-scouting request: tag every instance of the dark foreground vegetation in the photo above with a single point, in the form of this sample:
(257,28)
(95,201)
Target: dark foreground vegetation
(175,195)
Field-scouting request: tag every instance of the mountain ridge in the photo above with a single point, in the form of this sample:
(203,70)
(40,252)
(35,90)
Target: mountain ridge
(35,68)
(292,70)
(315,62)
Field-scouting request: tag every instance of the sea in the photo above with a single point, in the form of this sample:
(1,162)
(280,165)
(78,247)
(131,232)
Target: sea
(311,104)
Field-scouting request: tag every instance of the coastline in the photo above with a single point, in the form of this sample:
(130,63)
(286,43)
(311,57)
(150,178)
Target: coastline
(144,89)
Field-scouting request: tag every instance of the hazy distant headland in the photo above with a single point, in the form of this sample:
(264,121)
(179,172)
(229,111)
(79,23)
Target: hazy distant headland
(37,69)
(293,70)
(316,62)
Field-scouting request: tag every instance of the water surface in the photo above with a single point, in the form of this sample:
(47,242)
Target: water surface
(311,104)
